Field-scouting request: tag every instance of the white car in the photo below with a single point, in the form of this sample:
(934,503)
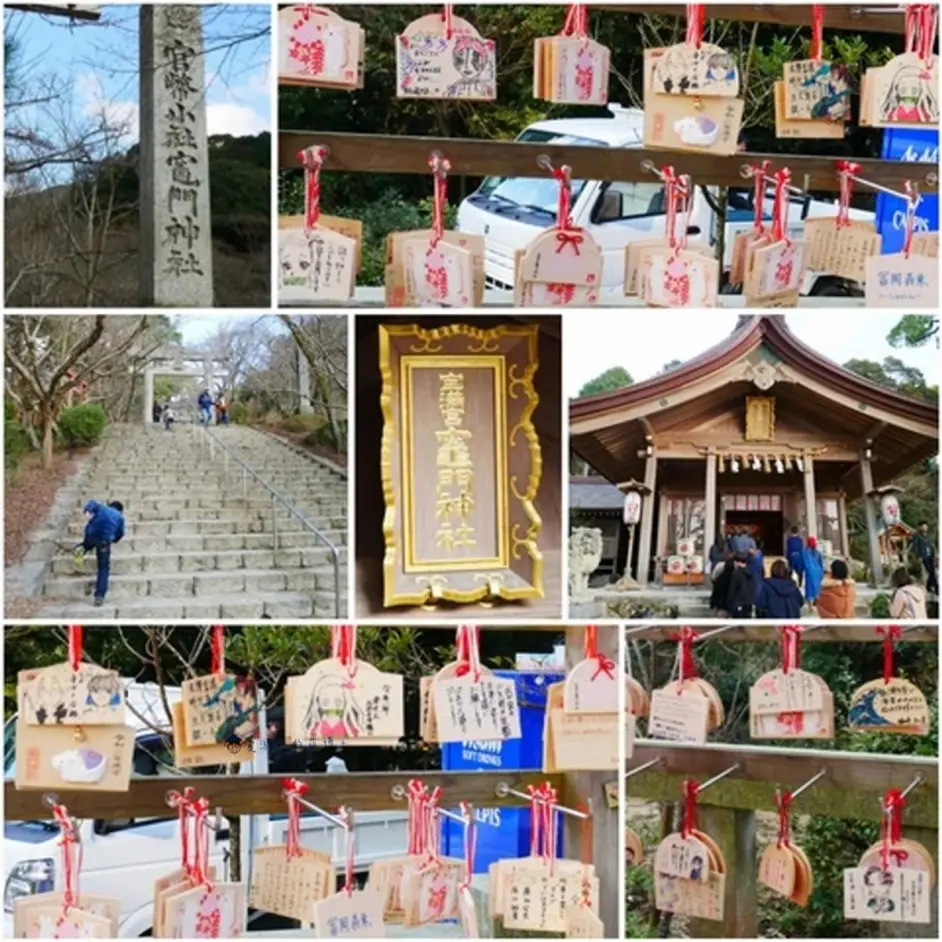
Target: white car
(510,211)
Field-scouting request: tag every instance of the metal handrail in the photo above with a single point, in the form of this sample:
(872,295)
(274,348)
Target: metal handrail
(280,498)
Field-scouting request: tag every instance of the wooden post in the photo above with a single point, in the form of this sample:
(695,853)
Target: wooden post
(580,786)
(842,524)
(811,503)
(735,832)
(870,512)
(647,518)
(709,524)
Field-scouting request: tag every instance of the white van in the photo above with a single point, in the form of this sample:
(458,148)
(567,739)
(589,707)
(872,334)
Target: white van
(510,211)
(124,857)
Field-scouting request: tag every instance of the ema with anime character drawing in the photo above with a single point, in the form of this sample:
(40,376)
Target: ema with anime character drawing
(356,704)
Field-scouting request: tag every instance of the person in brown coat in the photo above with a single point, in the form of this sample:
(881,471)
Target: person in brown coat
(838,593)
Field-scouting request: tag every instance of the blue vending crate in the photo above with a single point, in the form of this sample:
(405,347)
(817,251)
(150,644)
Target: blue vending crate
(502,832)
(907,144)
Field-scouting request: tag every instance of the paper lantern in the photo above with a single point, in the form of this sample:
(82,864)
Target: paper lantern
(631,513)
(889,507)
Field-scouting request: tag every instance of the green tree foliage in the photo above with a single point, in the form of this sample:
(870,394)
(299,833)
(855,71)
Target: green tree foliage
(914,330)
(15,440)
(83,424)
(616,377)
(894,374)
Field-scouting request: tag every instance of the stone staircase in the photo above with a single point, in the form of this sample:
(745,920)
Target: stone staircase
(194,546)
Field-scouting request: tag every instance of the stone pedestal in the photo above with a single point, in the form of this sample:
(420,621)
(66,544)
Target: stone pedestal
(176,266)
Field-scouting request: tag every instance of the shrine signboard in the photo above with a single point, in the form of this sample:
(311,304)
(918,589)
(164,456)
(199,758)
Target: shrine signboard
(461,464)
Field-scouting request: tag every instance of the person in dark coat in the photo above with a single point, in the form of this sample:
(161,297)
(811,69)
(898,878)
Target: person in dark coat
(205,403)
(921,547)
(104,526)
(794,551)
(717,552)
(813,563)
(741,592)
(720,587)
(778,596)
(755,563)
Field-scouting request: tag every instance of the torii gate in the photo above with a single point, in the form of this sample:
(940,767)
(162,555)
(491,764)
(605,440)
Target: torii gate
(190,363)
(176,263)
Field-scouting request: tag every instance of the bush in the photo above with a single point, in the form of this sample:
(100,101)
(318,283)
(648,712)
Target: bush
(16,442)
(239,413)
(880,606)
(324,437)
(303,423)
(82,425)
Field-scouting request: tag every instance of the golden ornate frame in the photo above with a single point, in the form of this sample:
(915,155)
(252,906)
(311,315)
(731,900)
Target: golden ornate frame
(435,585)
(760,419)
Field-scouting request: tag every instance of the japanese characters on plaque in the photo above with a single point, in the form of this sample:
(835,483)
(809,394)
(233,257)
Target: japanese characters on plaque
(70,729)
(791,704)
(319,48)
(887,894)
(174,157)
(433,61)
(287,885)
(469,708)
(356,915)
(459,486)
(219,709)
(454,488)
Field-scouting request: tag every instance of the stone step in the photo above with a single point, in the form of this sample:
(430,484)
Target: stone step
(147,509)
(204,608)
(183,585)
(193,524)
(126,562)
(211,543)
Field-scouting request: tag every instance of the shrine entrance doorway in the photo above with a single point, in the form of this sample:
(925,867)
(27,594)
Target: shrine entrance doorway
(765,526)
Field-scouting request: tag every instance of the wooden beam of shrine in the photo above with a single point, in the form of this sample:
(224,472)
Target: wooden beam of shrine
(870,18)
(854,783)
(845,634)
(381,153)
(261,794)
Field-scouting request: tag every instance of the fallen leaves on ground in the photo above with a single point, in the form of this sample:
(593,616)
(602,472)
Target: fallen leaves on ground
(28,495)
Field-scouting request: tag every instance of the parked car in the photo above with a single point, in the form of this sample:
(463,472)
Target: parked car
(510,211)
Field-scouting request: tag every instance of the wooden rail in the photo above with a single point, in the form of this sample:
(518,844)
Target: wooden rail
(843,634)
(382,153)
(261,794)
(854,782)
(860,17)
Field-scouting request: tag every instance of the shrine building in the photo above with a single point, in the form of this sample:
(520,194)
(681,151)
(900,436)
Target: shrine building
(760,433)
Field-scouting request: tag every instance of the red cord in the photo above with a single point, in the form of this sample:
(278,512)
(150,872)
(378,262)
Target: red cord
(440,167)
(690,807)
(815,50)
(783,802)
(889,634)
(791,648)
(447,15)
(910,225)
(75,646)
(780,206)
(470,842)
(685,640)
(218,646)
(890,830)
(311,159)
(846,169)
(695,24)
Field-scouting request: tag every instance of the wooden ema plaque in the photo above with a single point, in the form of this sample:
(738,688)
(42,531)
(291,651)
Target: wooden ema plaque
(786,870)
(318,48)
(69,732)
(570,70)
(577,741)
(790,705)
(534,898)
(356,915)
(460,464)
(286,886)
(700,893)
(902,93)
(26,924)
(219,709)
(316,265)
(333,706)
(165,888)
(900,282)
(483,709)
(212,911)
(894,706)
(893,894)
(351,228)
(431,64)
(400,287)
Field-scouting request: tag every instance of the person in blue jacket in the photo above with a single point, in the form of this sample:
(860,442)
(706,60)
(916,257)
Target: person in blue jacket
(794,550)
(205,402)
(813,564)
(104,526)
(778,596)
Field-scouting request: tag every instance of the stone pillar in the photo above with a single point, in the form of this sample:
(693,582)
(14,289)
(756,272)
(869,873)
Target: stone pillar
(305,406)
(842,524)
(870,512)
(175,253)
(148,395)
(709,519)
(209,375)
(647,518)
(811,504)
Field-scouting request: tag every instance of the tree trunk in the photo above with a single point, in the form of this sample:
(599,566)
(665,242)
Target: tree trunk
(47,439)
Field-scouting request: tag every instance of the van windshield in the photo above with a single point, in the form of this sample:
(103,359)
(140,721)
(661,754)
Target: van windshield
(539,194)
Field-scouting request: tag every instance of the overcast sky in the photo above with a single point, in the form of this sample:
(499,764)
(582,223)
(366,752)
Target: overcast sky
(643,341)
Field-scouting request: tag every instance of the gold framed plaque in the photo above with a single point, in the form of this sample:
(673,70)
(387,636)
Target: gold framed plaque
(760,419)
(461,463)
